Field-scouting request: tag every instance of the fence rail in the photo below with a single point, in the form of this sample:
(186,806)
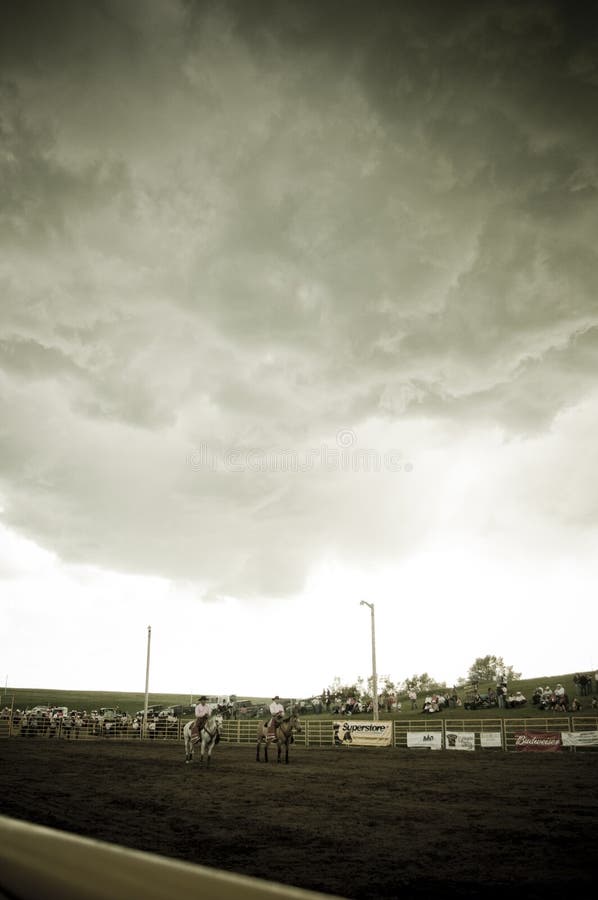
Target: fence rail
(319,732)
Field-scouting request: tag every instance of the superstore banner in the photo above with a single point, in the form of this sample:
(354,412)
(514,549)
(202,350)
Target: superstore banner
(428,740)
(460,740)
(363,734)
(579,738)
(537,741)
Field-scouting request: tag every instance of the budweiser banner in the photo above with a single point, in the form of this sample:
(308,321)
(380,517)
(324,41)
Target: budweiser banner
(537,741)
(460,740)
(490,739)
(429,740)
(363,734)
(579,738)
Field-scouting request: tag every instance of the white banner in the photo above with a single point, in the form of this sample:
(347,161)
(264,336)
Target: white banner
(460,740)
(430,740)
(491,739)
(363,734)
(579,738)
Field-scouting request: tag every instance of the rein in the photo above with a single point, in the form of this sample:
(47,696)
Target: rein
(211,733)
(291,726)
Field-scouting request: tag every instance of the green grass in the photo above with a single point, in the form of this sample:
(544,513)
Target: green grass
(526,686)
(24,698)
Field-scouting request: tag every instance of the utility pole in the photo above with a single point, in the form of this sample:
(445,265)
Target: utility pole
(147,669)
(374,674)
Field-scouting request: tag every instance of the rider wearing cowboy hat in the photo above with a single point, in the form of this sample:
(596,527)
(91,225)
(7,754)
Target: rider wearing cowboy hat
(202,712)
(277,713)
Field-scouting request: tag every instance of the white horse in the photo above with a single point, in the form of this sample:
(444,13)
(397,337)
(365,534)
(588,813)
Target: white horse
(209,736)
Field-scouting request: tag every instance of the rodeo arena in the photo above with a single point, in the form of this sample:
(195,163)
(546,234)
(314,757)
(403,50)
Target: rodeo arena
(236,722)
(71,865)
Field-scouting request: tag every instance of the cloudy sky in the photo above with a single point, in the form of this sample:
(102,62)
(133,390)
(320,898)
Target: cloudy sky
(298,309)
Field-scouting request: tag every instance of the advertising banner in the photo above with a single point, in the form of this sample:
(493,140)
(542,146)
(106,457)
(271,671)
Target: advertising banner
(537,741)
(579,738)
(428,740)
(491,739)
(460,740)
(363,734)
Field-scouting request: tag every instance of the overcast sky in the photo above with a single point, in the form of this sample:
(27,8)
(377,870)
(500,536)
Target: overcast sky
(298,309)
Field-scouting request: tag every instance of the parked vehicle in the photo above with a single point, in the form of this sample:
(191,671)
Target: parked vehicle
(180,711)
(108,714)
(246,709)
(151,711)
(38,711)
(479,701)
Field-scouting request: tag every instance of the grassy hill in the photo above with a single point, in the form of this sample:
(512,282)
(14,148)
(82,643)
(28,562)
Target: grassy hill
(24,698)
(527,687)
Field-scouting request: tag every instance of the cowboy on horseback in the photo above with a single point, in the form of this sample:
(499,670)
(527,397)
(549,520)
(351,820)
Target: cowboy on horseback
(277,713)
(202,713)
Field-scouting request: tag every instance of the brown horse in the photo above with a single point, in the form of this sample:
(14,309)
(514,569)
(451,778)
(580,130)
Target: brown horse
(284,735)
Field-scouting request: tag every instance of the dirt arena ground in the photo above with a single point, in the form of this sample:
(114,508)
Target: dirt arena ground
(356,822)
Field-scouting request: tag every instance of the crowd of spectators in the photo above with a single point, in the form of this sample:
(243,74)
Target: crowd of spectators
(434,703)
(557,699)
(583,683)
(54,722)
(58,721)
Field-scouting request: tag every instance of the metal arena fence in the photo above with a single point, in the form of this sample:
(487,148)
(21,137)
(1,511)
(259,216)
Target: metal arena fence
(483,734)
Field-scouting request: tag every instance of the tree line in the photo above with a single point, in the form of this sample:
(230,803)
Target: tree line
(490,668)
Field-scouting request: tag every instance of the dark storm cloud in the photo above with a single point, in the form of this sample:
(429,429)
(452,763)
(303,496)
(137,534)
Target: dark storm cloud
(249,225)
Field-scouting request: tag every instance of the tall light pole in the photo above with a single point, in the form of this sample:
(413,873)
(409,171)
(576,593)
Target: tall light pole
(147,671)
(374,675)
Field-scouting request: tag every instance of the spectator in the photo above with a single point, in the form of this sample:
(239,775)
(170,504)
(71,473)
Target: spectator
(515,700)
(585,684)
(412,696)
(537,696)
(431,704)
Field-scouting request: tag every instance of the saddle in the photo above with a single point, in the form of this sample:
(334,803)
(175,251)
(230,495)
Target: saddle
(196,729)
(271,725)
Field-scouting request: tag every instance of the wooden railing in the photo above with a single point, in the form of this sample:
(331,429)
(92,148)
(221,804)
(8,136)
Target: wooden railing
(318,731)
